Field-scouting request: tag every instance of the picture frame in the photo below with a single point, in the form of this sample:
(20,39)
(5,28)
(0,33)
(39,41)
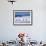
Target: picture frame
(22,17)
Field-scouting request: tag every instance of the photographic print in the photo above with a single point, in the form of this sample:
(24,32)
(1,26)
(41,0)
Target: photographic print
(22,17)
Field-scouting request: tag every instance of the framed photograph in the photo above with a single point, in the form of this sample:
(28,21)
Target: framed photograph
(22,17)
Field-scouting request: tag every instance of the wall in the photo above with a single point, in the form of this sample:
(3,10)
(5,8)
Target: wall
(37,31)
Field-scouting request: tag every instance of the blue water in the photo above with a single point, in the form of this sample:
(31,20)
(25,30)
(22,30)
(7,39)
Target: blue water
(21,14)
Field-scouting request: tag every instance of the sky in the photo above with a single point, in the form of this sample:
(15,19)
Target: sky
(20,14)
